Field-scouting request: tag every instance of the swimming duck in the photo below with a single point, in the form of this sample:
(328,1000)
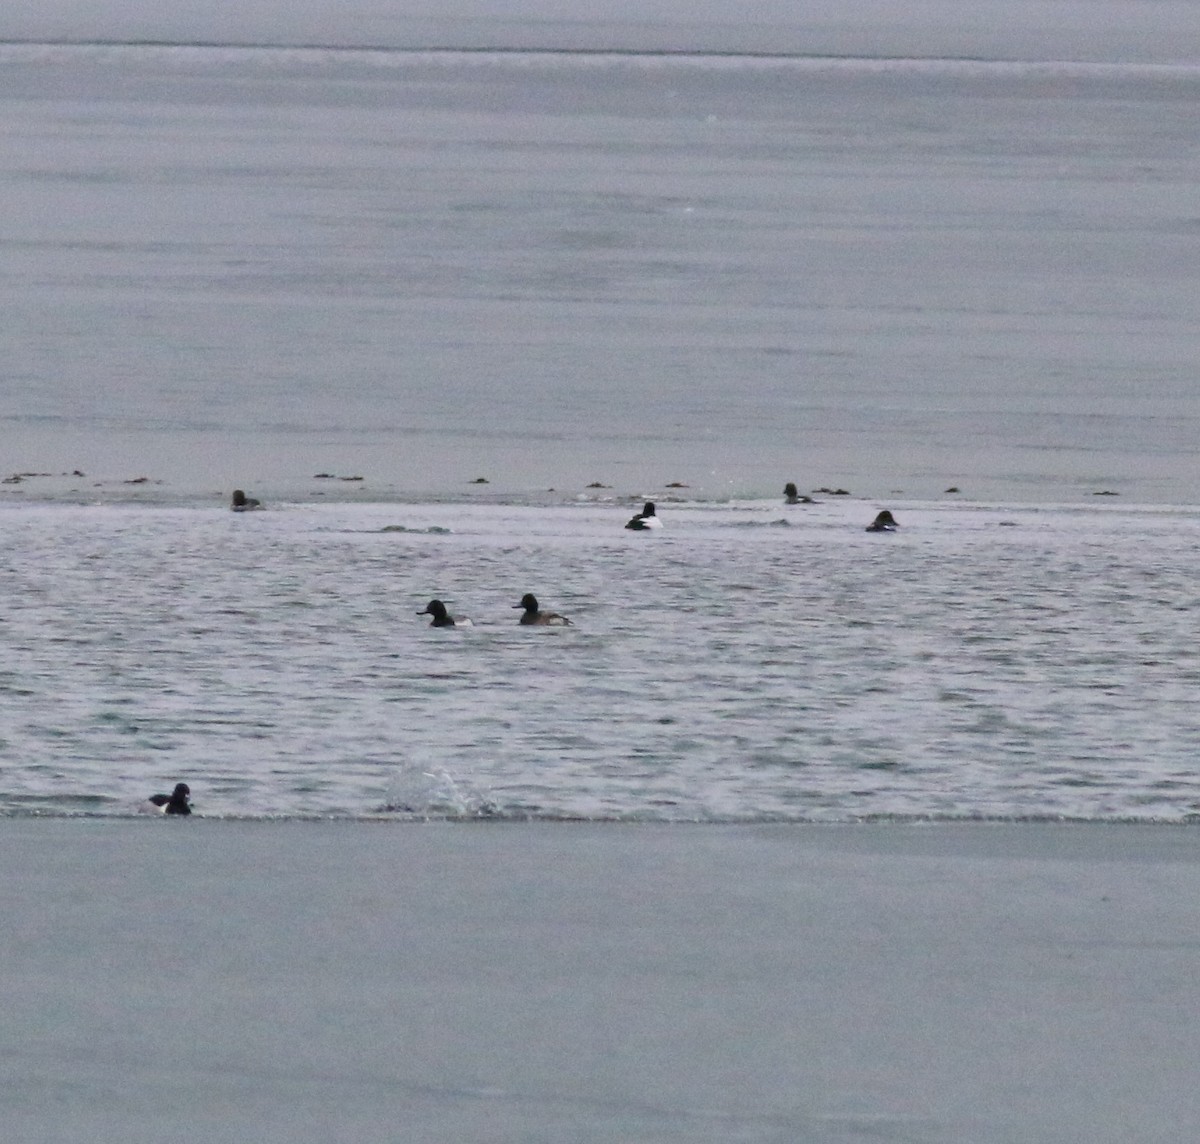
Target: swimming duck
(243,503)
(645,519)
(174,803)
(442,618)
(884,522)
(532,615)
(792,496)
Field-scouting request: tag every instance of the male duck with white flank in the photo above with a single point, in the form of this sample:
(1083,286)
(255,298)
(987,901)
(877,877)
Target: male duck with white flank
(442,618)
(177,802)
(534,615)
(884,522)
(243,503)
(645,519)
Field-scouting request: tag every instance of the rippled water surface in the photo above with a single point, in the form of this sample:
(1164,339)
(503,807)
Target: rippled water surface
(561,264)
(748,662)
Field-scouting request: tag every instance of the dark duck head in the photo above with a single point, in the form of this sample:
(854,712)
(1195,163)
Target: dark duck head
(441,618)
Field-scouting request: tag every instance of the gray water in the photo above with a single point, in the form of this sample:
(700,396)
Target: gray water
(749,662)
(599,984)
(225,266)
(660,251)
(684,276)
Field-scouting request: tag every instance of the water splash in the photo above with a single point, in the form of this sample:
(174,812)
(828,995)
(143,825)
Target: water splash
(422,791)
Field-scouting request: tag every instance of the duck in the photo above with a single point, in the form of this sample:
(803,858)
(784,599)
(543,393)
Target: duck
(645,519)
(884,522)
(174,803)
(792,496)
(533,615)
(442,618)
(243,503)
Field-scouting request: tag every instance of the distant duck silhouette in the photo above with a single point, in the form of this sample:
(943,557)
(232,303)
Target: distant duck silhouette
(243,503)
(791,496)
(645,519)
(884,522)
(533,615)
(442,618)
(174,803)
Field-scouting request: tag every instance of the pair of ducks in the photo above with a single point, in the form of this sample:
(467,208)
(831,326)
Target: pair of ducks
(645,519)
(531,614)
(884,522)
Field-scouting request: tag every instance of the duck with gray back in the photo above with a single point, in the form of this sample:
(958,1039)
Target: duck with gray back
(532,614)
(442,618)
(646,519)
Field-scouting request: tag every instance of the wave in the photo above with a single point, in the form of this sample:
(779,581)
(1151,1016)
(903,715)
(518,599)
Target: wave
(401,816)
